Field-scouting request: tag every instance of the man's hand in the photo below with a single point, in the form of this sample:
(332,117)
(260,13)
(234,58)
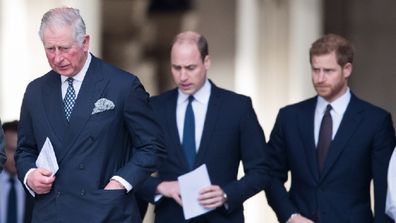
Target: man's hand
(40,180)
(170,189)
(114,185)
(211,197)
(299,219)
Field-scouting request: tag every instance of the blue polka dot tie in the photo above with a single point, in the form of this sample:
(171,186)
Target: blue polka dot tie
(70,98)
(189,134)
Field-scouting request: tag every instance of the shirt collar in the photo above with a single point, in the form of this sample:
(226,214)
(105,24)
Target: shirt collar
(5,176)
(80,75)
(338,106)
(202,95)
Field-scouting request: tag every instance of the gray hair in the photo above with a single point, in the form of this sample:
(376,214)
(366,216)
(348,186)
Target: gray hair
(62,17)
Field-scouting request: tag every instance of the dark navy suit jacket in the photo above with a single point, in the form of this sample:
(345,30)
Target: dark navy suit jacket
(91,148)
(231,134)
(359,152)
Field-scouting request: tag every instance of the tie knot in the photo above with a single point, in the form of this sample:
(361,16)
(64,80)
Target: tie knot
(70,81)
(328,108)
(190,99)
(11,180)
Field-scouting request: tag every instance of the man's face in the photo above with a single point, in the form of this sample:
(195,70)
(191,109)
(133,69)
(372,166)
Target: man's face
(64,54)
(330,80)
(188,69)
(10,139)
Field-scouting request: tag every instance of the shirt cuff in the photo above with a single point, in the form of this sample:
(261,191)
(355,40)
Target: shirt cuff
(292,216)
(226,206)
(123,182)
(25,182)
(157,197)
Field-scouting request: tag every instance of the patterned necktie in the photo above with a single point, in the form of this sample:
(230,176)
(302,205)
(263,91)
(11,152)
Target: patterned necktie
(325,137)
(189,133)
(12,203)
(70,98)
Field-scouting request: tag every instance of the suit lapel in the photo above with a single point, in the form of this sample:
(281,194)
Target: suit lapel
(350,122)
(306,128)
(90,91)
(210,123)
(53,106)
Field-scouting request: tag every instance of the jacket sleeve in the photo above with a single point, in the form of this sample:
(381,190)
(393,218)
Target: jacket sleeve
(26,152)
(382,148)
(147,137)
(277,195)
(254,159)
(147,191)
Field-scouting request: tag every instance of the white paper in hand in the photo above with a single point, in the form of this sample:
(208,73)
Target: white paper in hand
(190,185)
(391,195)
(47,158)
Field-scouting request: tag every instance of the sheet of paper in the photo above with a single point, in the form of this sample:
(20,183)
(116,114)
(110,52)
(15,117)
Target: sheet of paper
(390,209)
(190,185)
(47,159)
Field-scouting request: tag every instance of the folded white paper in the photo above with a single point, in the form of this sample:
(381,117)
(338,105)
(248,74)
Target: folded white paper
(190,184)
(47,159)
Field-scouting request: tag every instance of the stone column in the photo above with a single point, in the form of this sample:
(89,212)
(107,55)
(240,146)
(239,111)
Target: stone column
(14,57)
(251,37)
(306,25)
(272,66)
(22,56)
(91,12)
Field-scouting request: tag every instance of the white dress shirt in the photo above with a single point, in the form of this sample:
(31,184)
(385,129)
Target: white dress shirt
(199,105)
(337,112)
(391,196)
(4,190)
(78,78)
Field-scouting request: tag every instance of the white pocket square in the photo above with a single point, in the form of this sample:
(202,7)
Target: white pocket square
(102,105)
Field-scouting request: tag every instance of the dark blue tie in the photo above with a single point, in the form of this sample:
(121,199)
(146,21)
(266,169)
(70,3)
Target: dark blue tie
(189,133)
(70,98)
(12,203)
(325,137)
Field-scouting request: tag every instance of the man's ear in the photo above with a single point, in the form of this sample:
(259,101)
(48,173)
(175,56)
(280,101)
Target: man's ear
(85,43)
(207,62)
(347,70)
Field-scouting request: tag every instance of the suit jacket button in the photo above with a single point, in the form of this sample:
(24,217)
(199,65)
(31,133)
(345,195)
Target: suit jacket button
(82,193)
(81,166)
